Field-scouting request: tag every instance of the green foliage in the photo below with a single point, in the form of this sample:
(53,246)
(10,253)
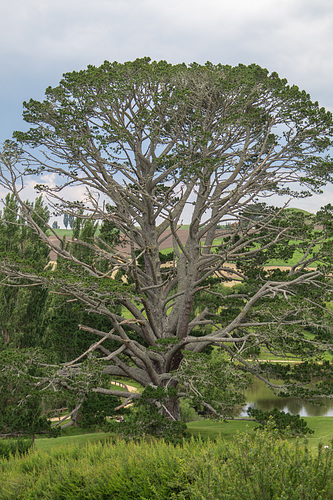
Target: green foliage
(95,408)
(68,220)
(85,231)
(264,467)
(61,334)
(285,423)
(18,240)
(187,412)
(11,447)
(20,400)
(212,383)
(60,316)
(306,380)
(109,233)
(151,417)
(250,467)
(21,308)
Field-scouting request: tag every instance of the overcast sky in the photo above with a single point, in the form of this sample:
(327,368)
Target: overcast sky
(42,39)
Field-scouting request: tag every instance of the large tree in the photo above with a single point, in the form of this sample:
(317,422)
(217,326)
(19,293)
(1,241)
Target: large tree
(152,145)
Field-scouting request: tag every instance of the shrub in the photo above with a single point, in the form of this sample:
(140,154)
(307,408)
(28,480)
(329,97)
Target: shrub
(285,423)
(12,447)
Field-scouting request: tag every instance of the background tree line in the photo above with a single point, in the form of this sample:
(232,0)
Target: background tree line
(32,316)
(37,325)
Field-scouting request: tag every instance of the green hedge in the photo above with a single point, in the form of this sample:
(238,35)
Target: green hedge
(251,467)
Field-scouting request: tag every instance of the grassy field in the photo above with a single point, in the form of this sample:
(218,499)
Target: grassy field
(63,232)
(323,427)
(205,428)
(273,262)
(211,428)
(46,444)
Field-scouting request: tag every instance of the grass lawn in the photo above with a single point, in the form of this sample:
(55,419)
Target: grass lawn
(63,232)
(45,444)
(323,427)
(211,428)
(205,428)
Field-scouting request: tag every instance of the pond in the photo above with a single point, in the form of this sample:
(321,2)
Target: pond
(260,396)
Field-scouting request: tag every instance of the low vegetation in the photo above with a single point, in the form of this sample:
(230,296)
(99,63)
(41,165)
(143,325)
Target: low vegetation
(12,447)
(249,467)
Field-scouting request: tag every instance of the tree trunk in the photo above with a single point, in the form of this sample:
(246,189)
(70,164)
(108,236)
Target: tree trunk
(171,409)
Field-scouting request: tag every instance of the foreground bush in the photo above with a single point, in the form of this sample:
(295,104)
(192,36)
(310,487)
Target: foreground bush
(261,466)
(11,447)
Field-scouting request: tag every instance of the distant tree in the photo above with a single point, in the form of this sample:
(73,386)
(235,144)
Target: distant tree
(55,225)
(65,220)
(70,220)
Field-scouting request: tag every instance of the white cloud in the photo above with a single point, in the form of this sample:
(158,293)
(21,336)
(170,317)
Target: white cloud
(118,29)
(41,39)
(293,35)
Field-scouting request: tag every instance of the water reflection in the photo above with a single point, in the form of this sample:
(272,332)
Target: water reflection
(261,397)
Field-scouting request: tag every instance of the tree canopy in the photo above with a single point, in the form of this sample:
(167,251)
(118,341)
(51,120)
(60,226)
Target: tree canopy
(152,145)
